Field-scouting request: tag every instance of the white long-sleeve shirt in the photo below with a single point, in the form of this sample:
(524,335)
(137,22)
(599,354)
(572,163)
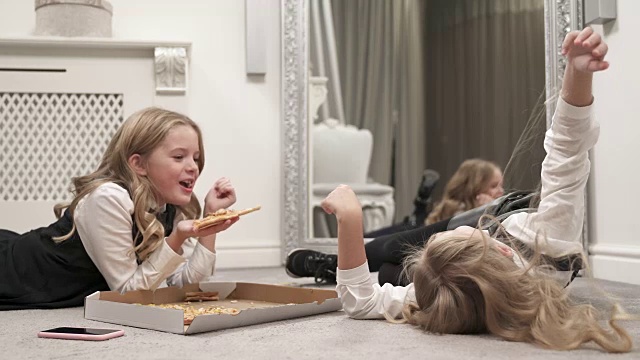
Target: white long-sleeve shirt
(104,222)
(559,218)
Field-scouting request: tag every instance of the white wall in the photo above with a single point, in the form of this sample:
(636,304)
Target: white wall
(237,112)
(239,115)
(615,183)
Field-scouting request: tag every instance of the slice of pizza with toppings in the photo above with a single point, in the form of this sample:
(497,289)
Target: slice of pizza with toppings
(221,216)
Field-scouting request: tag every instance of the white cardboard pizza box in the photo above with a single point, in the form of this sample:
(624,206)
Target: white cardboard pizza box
(258,303)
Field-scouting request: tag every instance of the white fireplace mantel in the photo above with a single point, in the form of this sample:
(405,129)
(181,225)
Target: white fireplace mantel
(171,58)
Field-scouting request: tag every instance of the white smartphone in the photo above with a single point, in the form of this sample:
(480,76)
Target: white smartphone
(75,333)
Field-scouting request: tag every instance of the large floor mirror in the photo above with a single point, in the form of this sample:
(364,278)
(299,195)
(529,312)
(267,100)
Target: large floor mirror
(377,92)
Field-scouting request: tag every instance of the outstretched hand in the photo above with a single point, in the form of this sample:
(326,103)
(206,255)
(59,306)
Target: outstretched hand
(585,50)
(221,196)
(186,229)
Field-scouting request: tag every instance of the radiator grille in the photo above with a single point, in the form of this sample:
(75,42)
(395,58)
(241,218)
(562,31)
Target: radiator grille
(48,138)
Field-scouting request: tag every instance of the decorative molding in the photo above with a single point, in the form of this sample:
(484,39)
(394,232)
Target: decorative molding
(623,269)
(615,250)
(561,16)
(171,57)
(171,67)
(317,95)
(88,43)
(294,119)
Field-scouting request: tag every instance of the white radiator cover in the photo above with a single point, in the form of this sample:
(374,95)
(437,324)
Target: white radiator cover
(61,101)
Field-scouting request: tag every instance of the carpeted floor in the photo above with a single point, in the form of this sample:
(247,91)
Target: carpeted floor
(327,336)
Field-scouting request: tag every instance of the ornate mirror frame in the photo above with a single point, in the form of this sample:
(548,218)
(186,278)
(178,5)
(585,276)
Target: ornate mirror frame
(561,16)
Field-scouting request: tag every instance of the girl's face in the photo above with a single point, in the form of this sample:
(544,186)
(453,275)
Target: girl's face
(494,188)
(172,166)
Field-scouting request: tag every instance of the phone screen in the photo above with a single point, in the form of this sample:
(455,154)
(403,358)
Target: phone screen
(82,331)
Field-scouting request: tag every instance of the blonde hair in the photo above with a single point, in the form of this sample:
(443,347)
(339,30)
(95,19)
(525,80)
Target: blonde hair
(471,179)
(140,134)
(464,286)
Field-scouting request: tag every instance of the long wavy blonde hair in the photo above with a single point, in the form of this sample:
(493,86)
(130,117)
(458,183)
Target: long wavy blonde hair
(464,285)
(140,134)
(471,178)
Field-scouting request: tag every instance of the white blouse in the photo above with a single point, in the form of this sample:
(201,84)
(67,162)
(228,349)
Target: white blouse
(559,217)
(104,222)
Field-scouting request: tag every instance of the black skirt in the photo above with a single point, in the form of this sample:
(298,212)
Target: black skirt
(37,273)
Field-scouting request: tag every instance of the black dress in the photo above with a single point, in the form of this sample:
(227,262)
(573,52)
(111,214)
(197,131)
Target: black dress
(37,273)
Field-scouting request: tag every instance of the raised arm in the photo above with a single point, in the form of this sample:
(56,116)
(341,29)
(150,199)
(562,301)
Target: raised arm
(361,297)
(344,203)
(565,169)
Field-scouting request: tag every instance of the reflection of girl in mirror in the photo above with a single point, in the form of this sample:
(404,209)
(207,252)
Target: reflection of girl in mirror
(465,281)
(475,183)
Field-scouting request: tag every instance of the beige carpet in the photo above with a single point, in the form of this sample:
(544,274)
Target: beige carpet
(328,336)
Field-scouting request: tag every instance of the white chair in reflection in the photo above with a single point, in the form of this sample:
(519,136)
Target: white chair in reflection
(341,155)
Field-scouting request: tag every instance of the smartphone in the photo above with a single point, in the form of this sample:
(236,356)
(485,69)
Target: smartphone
(75,333)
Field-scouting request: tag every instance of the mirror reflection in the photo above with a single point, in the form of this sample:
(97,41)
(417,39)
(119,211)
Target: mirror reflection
(403,92)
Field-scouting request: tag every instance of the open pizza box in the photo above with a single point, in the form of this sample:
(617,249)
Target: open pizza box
(257,303)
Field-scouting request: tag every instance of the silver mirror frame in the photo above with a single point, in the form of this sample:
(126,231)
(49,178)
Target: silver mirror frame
(561,16)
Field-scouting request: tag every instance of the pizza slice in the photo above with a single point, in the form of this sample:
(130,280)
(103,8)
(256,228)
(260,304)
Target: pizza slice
(201,296)
(221,216)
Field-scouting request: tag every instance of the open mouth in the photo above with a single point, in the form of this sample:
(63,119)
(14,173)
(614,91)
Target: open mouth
(187,184)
